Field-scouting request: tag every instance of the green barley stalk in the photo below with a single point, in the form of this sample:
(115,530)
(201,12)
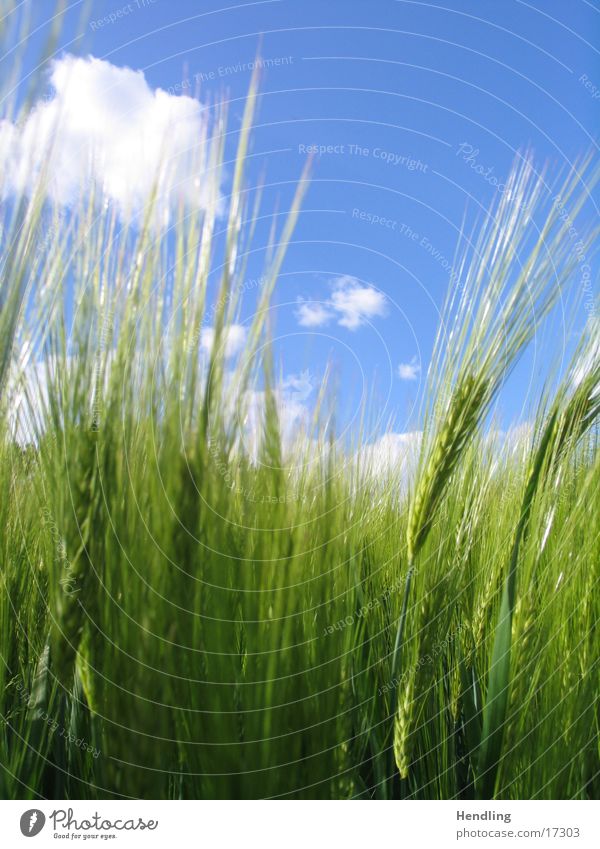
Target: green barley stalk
(574,411)
(510,285)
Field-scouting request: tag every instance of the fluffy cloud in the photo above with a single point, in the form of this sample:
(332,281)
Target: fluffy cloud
(312,314)
(392,453)
(291,396)
(351,304)
(105,127)
(514,441)
(355,303)
(234,339)
(589,355)
(298,387)
(409,371)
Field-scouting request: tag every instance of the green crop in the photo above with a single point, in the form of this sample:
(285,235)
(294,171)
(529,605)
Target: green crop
(188,612)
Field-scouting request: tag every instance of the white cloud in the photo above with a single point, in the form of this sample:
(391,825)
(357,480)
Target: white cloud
(351,304)
(234,339)
(297,387)
(516,439)
(356,303)
(291,397)
(589,356)
(27,406)
(391,453)
(313,314)
(105,126)
(409,371)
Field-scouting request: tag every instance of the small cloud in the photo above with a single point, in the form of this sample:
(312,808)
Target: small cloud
(351,304)
(516,439)
(587,361)
(409,371)
(392,454)
(234,338)
(313,314)
(292,395)
(356,303)
(297,387)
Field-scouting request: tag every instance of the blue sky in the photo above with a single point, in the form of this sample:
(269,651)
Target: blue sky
(402,100)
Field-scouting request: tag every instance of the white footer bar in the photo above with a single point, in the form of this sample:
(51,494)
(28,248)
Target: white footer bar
(300,824)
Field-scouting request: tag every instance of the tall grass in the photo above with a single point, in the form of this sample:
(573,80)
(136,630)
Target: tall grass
(183,616)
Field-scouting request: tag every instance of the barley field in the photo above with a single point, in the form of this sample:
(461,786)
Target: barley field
(191,607)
